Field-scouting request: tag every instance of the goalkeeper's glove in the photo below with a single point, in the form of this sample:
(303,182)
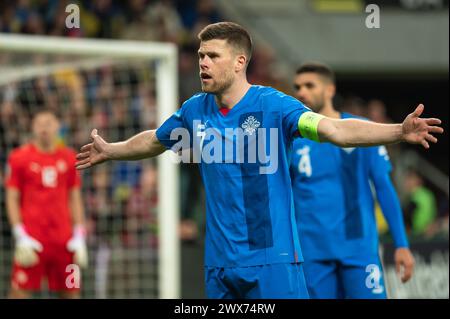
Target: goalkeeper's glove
(25,253)
(77,245)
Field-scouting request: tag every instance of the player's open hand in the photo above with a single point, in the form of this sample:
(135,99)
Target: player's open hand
(404,263)
(92,153)
(418,130)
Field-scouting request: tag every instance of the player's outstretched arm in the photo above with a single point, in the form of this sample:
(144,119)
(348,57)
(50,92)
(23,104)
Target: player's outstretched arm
(142,145)
(354,132)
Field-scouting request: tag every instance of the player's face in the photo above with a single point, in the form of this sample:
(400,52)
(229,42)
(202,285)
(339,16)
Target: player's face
(45,129)
(311,90)
(216,62)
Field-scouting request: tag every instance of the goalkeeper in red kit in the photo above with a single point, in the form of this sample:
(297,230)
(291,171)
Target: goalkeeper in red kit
(44,207)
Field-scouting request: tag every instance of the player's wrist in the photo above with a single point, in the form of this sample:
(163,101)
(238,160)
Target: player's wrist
(79,231)
(400,132)
(113,151)
(109,151)
(19,231)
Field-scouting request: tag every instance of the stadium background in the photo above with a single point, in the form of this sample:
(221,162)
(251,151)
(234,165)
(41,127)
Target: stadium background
(381,73)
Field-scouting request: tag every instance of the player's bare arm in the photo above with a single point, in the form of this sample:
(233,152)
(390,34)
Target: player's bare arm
(140,146)
(354,132)
(76,206)
(13,206)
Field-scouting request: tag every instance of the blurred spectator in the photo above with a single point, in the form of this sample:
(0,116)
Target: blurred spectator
(376,111)
(125,176)
(101,224)
(441,226)
(99,206)
(189,83)
(144,106)
(167,20)
(109,16)
(206,10)
(192,11)
(33,24)
(1,176)
(192,199)
(139,26)
(11,121)
(55,17)
(354,105)
(188,230)
(8,21)
(420,207)
(141,215)
(262,69)
(69,78)
(158,21)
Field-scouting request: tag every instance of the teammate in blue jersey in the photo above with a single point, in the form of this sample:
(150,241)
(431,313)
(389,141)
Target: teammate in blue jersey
(241,136)
(334,204)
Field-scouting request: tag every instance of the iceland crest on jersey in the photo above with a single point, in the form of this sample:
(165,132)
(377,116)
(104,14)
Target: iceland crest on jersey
(250,125)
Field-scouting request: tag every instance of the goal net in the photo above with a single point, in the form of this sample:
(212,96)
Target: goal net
(120,88)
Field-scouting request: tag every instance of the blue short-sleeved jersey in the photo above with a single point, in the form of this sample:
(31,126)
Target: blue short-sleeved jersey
(250,217)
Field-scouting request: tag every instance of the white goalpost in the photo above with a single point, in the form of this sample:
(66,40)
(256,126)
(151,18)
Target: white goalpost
(56,54)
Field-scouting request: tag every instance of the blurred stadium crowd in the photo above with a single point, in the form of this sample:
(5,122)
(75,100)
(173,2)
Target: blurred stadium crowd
(120,101)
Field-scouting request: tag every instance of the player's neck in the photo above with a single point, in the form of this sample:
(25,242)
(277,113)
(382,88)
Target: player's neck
(329,111)
(43,148)
(233,95)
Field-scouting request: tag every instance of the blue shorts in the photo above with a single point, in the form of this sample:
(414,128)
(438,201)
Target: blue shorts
(353,279)
(276,281)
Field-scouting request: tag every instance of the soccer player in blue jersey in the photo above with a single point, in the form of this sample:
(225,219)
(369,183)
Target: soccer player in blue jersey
(241,136)
(334,204)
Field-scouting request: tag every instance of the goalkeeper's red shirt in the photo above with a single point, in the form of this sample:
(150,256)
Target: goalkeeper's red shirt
(44,181)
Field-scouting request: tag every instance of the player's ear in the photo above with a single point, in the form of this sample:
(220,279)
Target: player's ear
(241,62)
(331,90)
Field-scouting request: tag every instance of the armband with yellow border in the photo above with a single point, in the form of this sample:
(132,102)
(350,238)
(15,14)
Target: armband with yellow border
(308,124)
